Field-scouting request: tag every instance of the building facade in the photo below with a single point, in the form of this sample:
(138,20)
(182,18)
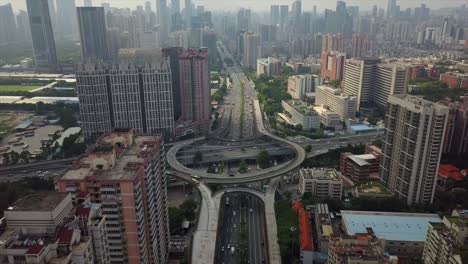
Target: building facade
(126,175)
(456,134)
(321,182)
(250,56)
(336,101)
(269,66)
(412,146)
(136,93)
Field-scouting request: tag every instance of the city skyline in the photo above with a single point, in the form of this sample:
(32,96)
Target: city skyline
(262,5)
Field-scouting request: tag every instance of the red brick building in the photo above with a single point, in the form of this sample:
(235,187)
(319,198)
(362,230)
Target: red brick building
(455,80)
(332,65)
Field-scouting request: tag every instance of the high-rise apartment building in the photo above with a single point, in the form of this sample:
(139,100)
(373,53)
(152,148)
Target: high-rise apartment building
(48,228)
(45,55)
(136,93)
(333,64)
(456,134)
(93,34)
(251,43)
(173,54)
(372,81)
(342,104)
(7,24)
(412,146)
(360,45)
(126,175)
(195,88)
(284,11)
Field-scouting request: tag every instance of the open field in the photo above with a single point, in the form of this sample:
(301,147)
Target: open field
(18,88)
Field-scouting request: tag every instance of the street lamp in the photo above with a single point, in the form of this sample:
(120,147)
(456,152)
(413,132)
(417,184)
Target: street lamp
(293,231)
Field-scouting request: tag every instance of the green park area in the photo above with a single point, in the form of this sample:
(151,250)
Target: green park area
(286,218)
(18,88)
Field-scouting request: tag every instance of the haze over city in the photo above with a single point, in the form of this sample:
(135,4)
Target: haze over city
(234,132)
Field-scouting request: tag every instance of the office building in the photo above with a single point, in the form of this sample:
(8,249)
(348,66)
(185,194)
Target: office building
(251,43)
(194,89)
(321,182)
(93,34)
(300,114)
(284,11)
(299,85)
(175,6)
(403,234)
(412,146)
(48,228)
(7,24)
(360,45)
(391,8)
(87,3)
(179,39)
(269,66)
(333,99)
(274,15)
(67,21)
(45,56)
(372,81)
(163,14)
(126,175)
(456,132)
(333,64)
(135,93)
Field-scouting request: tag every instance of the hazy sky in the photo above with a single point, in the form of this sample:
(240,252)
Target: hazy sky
(263,5)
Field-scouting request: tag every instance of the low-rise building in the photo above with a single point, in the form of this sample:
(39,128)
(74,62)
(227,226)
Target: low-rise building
(359,249)
(455,79)
(359,167)
(301,114)
(329,118)
(324,227)
(321,182)
(404,233)
(336,101)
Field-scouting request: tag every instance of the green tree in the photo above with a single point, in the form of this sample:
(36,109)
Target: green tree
(263,158)
(176,217)
(242,167)
(188,208)
(308,148)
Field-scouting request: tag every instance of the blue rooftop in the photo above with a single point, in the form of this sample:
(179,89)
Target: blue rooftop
(361,128)
(391,226)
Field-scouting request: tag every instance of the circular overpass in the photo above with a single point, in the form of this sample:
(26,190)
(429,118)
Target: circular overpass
(242,178)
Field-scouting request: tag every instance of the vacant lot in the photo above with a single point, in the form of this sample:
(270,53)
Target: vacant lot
(18,88)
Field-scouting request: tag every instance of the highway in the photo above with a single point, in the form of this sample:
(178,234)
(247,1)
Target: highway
(242,221)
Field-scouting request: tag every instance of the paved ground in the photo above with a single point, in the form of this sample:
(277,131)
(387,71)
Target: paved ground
(242,216)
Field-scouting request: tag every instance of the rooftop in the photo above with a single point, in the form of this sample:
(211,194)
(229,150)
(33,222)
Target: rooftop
(391,226)
(38,202)
(363,159)
(320,174)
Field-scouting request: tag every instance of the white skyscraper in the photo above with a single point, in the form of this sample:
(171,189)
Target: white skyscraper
(412,146)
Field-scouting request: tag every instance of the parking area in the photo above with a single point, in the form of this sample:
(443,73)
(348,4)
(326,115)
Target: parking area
(30,140)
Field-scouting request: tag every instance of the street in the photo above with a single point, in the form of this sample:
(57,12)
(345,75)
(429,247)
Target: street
(242,232)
